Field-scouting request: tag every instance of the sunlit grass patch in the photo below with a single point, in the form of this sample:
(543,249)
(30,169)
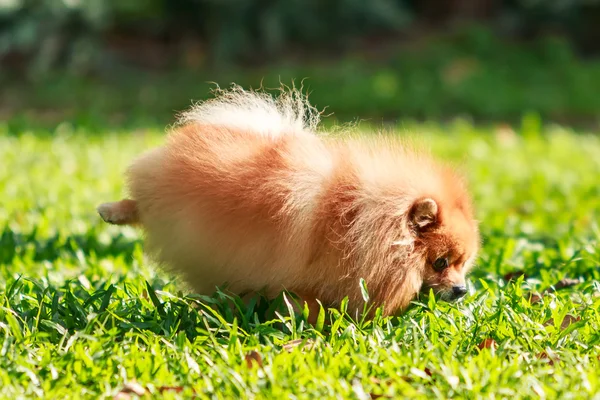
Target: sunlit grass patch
(83,314)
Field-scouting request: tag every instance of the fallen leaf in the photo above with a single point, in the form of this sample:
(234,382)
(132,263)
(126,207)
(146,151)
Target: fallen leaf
(565,283)
(253,356)
(379,382)
(551,359)
(426,373)
(488,343)
(535,298)
(128,388)
(514,275)
(567,320)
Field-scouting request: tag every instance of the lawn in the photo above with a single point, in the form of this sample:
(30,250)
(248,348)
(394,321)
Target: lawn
(84,315)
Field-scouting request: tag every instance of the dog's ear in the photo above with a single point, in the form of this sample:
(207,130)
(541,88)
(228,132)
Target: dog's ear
(424,213)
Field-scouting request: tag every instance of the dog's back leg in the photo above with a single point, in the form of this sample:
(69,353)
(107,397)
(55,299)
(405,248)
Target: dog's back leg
(124,212)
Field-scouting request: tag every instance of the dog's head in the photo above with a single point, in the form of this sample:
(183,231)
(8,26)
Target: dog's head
(447,239)
(408,225)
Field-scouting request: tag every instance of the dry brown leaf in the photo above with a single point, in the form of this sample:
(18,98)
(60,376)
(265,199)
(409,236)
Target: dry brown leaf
(565,283)
(545,356)
(426,372)
(488,343)
(514,275)
(567,320)
(535,298)
(378,381)
(420,373)
(253,356)
(128,388)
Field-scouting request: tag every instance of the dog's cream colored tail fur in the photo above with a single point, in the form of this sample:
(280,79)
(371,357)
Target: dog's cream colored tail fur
(255,112)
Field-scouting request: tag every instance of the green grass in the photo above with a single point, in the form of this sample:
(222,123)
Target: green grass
(82,313)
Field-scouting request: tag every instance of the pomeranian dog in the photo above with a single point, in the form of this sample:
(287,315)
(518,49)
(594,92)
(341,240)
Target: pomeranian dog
(245,193)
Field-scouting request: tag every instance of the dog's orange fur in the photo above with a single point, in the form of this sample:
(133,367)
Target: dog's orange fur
(272,206)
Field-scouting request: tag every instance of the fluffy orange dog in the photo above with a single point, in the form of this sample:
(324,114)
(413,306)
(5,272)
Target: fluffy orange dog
(244,193)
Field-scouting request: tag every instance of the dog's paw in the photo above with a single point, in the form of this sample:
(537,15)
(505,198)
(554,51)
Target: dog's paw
(109,213)
(118,213)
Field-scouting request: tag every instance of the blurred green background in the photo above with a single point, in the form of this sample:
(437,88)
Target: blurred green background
(119,63)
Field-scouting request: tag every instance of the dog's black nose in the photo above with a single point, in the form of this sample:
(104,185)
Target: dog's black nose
(459,291)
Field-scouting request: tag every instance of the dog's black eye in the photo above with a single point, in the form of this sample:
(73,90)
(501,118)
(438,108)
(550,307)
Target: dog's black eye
(440,264)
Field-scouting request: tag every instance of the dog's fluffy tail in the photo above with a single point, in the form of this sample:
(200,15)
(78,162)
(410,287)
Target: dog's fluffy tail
(255,112)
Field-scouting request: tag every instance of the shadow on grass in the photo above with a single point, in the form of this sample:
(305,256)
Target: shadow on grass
(31,247)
